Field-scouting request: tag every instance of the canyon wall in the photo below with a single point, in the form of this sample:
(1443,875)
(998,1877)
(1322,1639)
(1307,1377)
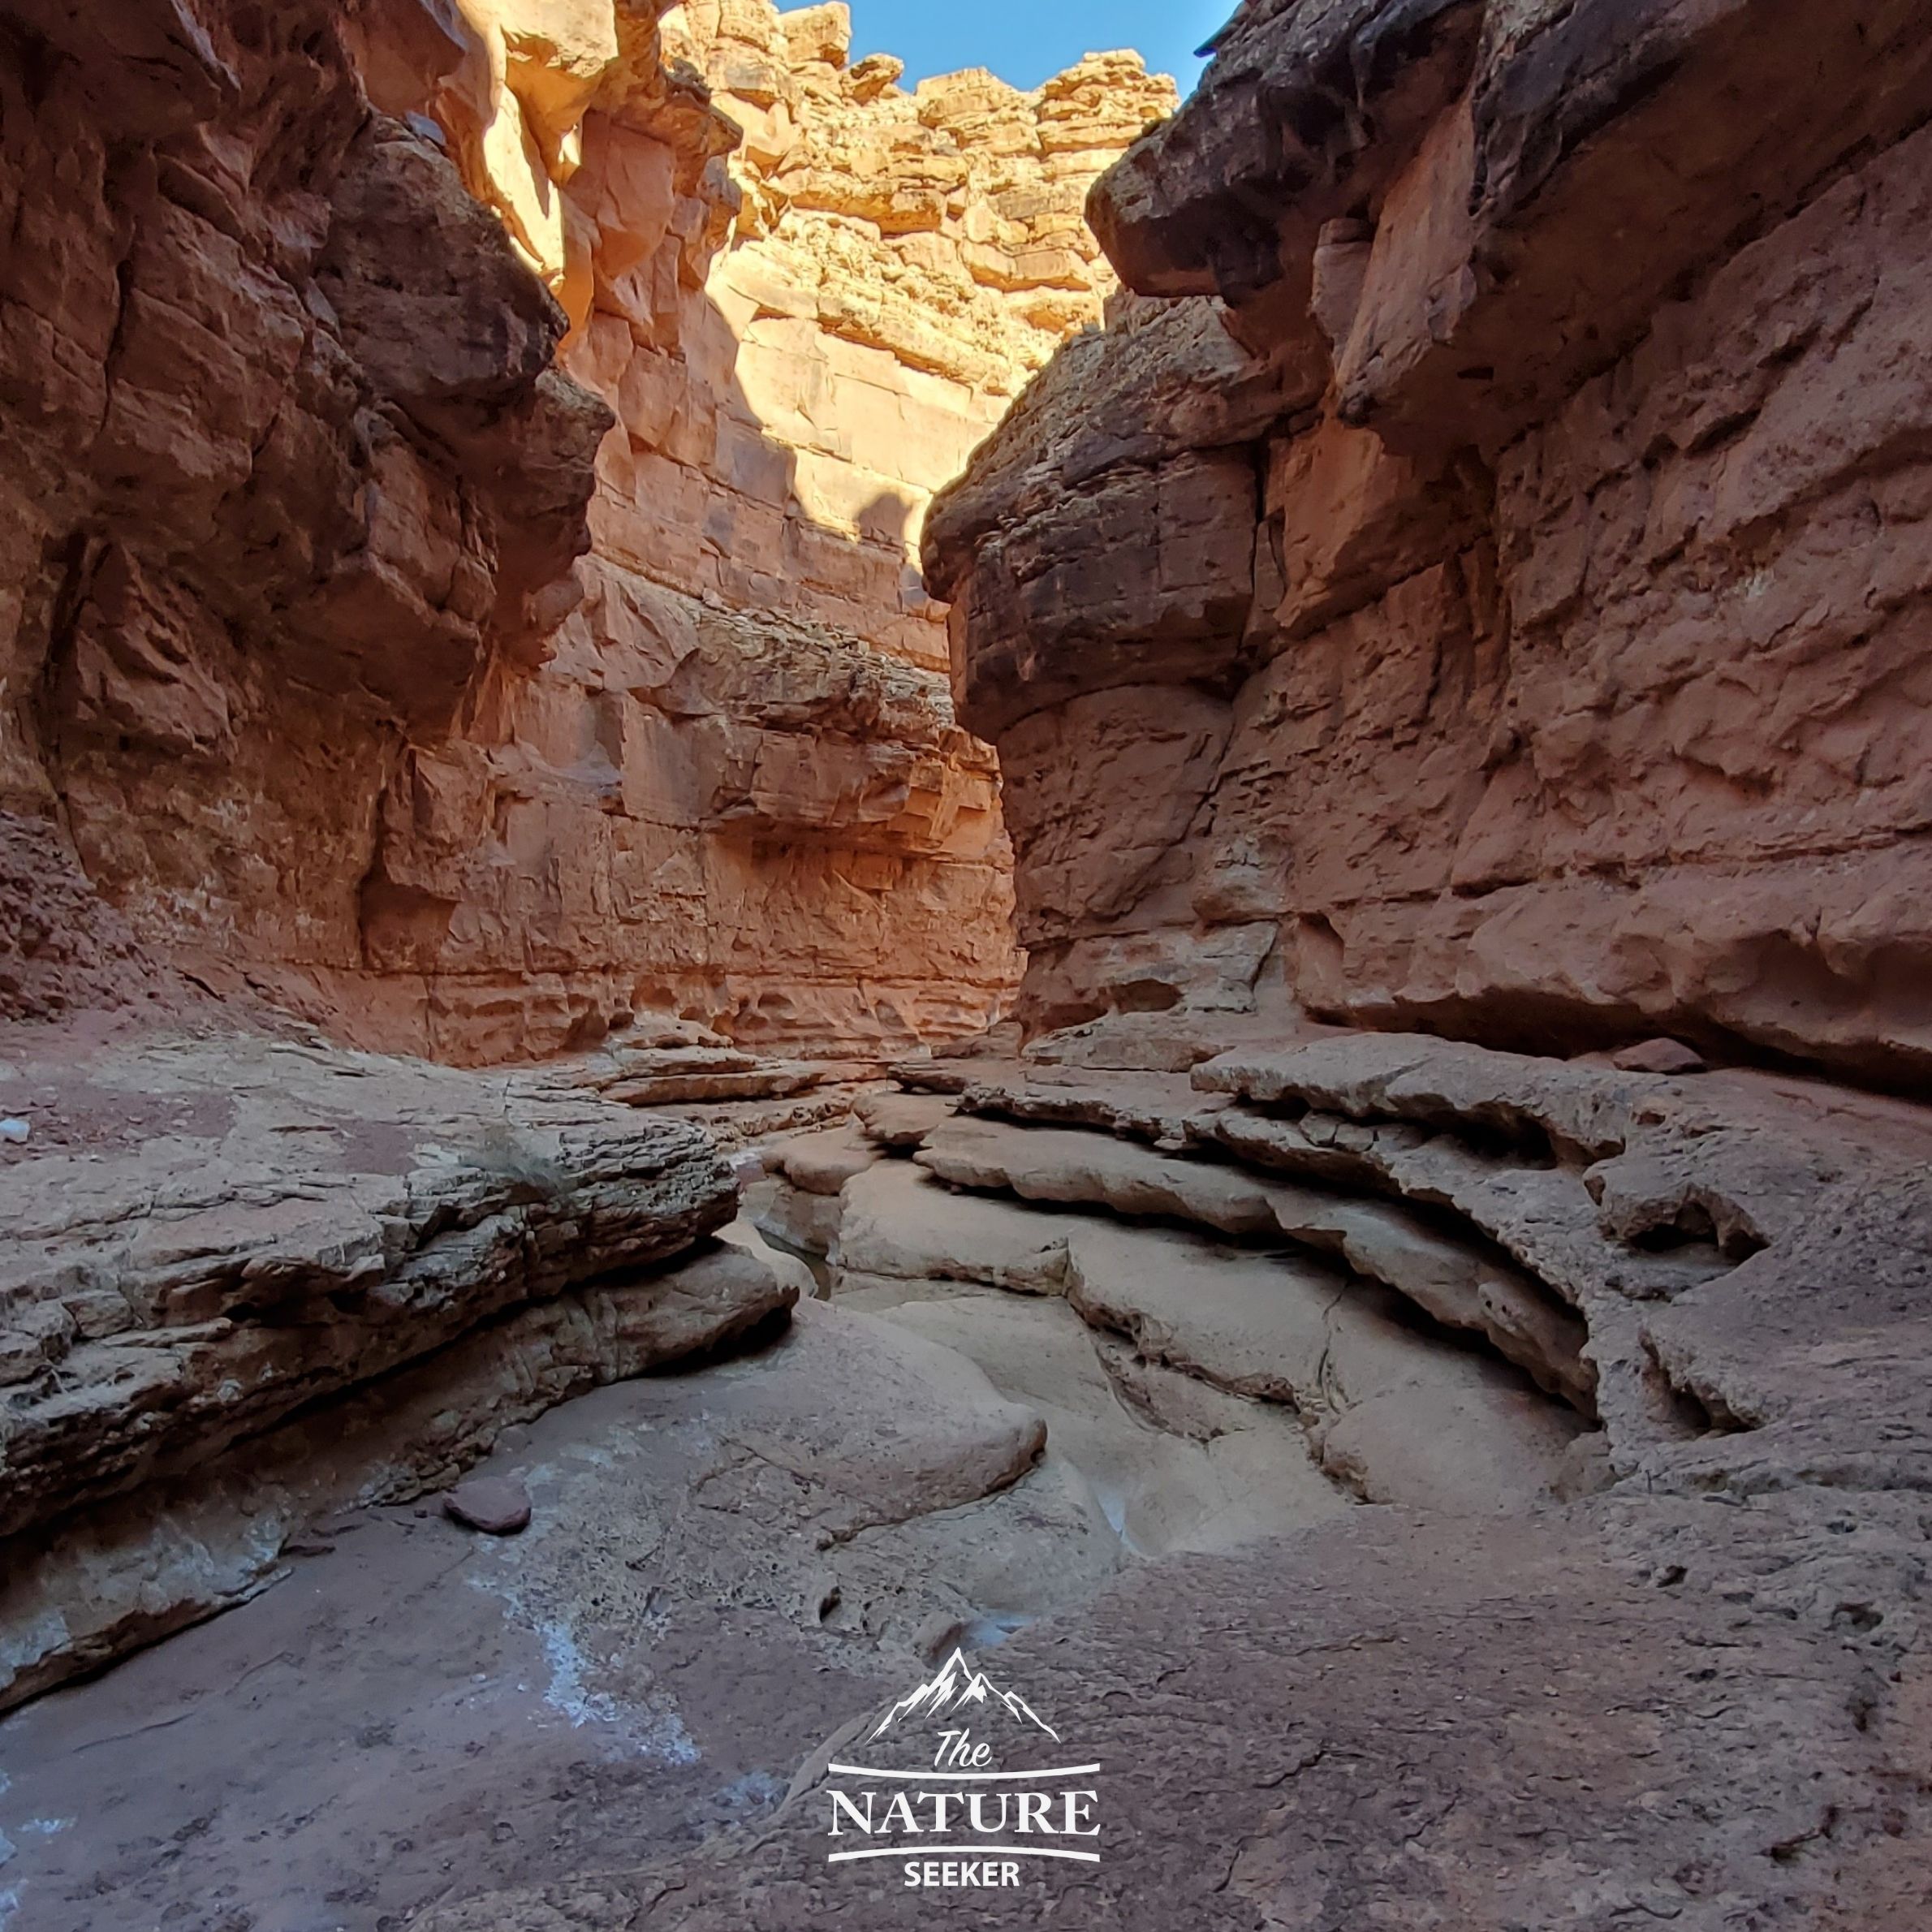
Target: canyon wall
(287,468)
(1480,582)
(737,791)
(299,679)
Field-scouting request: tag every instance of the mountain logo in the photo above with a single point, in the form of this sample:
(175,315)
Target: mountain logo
(959,1688)
(950,1804)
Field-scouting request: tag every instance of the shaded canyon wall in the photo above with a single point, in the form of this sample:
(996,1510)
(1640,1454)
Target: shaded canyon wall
(1480,581)
(301,678)
(737,789)
(287,468)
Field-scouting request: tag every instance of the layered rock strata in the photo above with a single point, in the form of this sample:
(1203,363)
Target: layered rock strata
(736,791)
(249,1282)
(1704,1290)
(304,439)
(1486,590)
(1419,607)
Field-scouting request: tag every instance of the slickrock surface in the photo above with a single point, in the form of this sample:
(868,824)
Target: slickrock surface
(1392,1415)
(1487,591)
(1632,1367)
(1455,1285)
(1704,1612)
(303,440)
(1527,1723)
(1161,1461)
(721,1570)
(245,1280)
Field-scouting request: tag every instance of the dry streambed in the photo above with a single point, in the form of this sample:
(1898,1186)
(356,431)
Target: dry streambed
(1313,1311)
(1222,1352)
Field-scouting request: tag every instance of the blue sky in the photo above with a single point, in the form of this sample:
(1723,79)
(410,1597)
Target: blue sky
(1025,40)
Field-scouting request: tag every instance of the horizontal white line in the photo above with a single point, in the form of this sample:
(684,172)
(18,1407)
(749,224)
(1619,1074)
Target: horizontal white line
(1064,1770)
(918,1852)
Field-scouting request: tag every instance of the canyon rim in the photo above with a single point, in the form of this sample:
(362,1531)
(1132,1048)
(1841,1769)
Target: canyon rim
(825,898)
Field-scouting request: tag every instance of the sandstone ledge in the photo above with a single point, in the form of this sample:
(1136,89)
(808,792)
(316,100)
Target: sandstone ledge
(248,1279)
(1549,681)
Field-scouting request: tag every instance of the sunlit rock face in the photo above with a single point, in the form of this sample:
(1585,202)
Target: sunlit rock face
(736,789)
(341,336)
(1499,546)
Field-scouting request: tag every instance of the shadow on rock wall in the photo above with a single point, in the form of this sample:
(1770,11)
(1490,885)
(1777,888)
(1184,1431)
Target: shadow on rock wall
(715,797)
(295,658)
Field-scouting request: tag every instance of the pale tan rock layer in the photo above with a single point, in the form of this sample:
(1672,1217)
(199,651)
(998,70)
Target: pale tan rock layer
(291,646)
(1490,592)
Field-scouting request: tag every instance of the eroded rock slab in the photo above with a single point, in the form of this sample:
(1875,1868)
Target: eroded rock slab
(898,1221)
(1037,1397)
(796,1217)
(1747,1552)
(902,1121)
(191,1309)
(103,1580)
(822,1162)
(1458,1284)
(1396,1415)
(720,1569)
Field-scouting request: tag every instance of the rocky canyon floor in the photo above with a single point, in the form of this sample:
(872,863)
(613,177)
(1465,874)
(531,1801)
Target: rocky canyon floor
(1438,1487)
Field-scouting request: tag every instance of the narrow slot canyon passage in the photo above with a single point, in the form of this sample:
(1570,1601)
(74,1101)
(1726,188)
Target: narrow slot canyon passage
(870,942)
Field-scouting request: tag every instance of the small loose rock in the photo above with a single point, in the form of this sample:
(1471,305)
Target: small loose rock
(494,1504)
(1659,1056)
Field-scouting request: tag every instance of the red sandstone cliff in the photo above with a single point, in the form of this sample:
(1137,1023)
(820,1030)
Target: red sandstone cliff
(288,468)
(1491,593)
(301,689)
(1480,587)
(736,789)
